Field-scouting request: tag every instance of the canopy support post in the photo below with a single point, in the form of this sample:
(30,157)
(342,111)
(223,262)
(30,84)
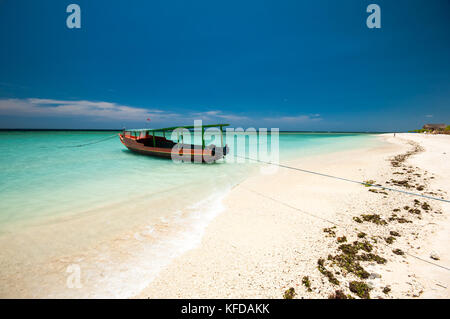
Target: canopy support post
(203,138)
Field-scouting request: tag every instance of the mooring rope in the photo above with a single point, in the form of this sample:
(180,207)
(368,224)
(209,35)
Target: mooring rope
(340,225)
(347,179)
(85,144)
(293,168)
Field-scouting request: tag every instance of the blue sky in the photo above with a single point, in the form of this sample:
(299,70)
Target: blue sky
(296,65)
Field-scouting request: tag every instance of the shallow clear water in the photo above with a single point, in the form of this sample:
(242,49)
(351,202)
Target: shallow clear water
(40,175)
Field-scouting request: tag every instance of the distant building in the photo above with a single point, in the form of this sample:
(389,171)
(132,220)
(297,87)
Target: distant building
(434,127)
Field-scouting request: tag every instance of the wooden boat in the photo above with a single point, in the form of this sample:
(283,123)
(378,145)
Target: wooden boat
(147,142)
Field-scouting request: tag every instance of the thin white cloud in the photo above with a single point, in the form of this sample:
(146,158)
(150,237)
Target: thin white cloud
(218,115)
(63,108)
(295,119)
(107,111)
(429,115)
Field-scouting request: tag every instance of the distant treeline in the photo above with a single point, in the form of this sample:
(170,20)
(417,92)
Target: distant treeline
(433,131)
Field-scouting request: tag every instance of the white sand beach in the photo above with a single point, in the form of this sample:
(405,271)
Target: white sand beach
(271,234)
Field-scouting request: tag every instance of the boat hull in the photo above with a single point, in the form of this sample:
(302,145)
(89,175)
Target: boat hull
(180,152)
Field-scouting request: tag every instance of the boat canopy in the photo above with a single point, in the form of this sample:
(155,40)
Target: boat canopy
(165,129)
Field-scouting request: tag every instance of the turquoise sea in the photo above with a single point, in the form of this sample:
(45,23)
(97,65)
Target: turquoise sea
(42,174)
(57,199)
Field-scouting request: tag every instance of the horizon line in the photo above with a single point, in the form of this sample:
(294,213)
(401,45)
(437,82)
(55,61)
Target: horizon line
(119,130)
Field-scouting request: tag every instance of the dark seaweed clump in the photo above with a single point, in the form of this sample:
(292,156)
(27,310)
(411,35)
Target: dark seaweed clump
(369,183)
(338,294)
(326,272)
(414,211)
(306,283)
(398,252)
(357,219)
(330,231)
(349,259)
(290,293)
(401,183)
(400,220)
(399,159)
(378,191)
(373,218)
(361,289)
(342,239)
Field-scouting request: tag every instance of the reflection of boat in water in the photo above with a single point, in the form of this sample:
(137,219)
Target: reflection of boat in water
(146,142)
